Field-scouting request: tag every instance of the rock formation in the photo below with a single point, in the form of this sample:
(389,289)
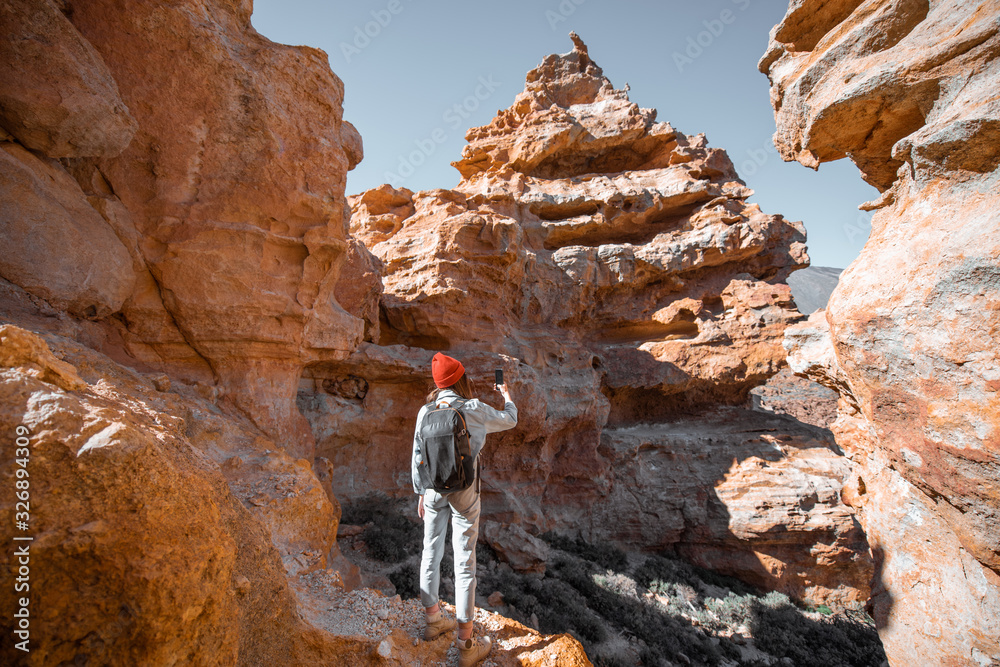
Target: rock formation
(908,91)
(173,221)
(742,492)
(613,267)
(181,277)
(165,530)
(206,206)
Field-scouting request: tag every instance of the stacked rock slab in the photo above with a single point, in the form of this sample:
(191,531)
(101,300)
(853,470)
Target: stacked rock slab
(613,268)
(907,90)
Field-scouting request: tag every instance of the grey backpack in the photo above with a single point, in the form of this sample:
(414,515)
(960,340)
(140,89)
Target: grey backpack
(444,458)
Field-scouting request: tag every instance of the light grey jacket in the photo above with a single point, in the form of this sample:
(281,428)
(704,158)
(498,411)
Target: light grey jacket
(480,419)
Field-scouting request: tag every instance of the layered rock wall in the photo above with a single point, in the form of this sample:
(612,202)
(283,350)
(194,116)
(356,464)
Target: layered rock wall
(907,90)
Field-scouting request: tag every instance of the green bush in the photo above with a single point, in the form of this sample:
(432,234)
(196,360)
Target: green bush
(785,632)
(390,535)
(732,610)
(561,608)
(592,592)
(558,606)
(611,661)
(406,579)
(775,600)
(663,571)
(670,571)
(383,544)
(663,635)
(606,555)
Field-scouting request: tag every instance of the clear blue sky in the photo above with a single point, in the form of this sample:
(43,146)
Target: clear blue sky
(406,64)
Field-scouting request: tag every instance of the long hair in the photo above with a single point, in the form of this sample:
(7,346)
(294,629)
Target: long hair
(463,388)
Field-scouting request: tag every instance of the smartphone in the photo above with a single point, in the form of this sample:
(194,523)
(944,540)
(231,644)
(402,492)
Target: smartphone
(499,377)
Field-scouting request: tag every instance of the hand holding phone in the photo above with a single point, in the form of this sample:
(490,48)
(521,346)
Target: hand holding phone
(499,384)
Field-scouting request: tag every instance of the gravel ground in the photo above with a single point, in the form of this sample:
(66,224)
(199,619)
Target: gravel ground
(370,614)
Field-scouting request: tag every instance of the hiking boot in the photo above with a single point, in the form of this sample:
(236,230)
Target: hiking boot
(472,650)
(439,627)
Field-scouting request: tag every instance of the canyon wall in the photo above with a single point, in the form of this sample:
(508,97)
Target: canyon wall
(612,266)
(173,219)
(907,90)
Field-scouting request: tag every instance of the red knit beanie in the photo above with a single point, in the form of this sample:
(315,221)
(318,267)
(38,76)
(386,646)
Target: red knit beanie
(445,370)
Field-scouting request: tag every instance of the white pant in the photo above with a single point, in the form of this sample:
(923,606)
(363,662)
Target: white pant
(462,507)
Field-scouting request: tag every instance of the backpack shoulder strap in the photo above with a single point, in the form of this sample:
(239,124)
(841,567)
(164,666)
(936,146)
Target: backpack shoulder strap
(458,405)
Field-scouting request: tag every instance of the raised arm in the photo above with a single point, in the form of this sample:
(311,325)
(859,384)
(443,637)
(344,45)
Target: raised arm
(499,420)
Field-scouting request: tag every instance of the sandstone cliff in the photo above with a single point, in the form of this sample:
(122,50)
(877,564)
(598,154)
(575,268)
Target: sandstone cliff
(206,207)
(613,267)
(907,90)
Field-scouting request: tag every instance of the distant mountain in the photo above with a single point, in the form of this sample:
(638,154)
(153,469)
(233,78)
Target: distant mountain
(812,287)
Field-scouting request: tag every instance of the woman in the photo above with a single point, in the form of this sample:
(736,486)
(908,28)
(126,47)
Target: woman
(462,507)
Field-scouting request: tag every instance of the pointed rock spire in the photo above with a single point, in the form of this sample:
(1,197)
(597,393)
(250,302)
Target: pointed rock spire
(569,120)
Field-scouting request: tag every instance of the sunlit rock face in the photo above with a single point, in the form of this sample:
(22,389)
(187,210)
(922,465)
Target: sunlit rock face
(907,90)
(612,267)
(167,165)
(140,551)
